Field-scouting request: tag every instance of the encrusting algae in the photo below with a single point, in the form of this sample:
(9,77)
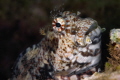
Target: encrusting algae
(113,63)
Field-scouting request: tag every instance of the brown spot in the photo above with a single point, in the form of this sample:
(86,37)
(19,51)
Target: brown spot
(86,54)
(53,25)
(81,36)
(91,51)
(54,22)
(73,25)
(80,33)
(67,20)
(69,46)
(74,19)
(97,51)
(63,25)
(65,50)
(117,47)
(67,26)
(68,30)
(88,22)
(85,28)
(73,33)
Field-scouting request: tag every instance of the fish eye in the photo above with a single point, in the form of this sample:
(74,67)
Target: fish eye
(58,24)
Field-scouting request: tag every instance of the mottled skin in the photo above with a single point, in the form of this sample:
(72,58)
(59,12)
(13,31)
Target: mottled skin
(71,51)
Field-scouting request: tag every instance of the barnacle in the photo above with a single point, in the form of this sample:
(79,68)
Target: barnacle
(70,51)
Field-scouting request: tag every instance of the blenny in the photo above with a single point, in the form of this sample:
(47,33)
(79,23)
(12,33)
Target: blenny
(70,51)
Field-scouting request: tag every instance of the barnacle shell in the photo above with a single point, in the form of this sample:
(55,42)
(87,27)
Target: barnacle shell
(70,51)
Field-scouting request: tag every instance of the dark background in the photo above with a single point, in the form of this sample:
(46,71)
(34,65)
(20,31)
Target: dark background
(20,21)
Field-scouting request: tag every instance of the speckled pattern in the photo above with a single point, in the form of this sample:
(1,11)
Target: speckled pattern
(70,51)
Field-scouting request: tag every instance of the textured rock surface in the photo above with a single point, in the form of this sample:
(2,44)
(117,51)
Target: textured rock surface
(113,63)
(105,76)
